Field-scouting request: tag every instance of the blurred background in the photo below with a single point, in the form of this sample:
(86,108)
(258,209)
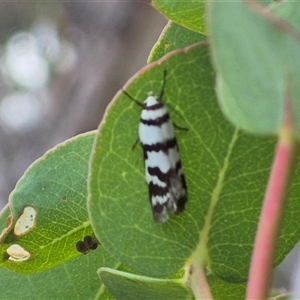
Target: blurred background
(60,65)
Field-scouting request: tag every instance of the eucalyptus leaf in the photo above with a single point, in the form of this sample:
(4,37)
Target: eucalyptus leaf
(125,286)
(249,56)
(224,290)
(187,13)
(74,279)
(174,36)
(226,172)
(56,187)
(288,12)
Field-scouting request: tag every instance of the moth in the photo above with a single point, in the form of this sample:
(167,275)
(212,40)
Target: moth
(163,170)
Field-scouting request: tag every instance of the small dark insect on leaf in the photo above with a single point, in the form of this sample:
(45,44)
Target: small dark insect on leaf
(95,240)
(81,247)
(88,243)
(94,246)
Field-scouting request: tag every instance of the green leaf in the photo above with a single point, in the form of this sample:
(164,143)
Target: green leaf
(288,11)
(118,204)
(252,82)
(6,223)
(223,290)
(187,13)
(75,279)
(226,172)
(128,286)
(257,69)
(56,187)
(174,36)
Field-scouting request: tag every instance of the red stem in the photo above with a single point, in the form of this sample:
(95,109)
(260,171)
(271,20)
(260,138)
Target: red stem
(271,214)
(199,284)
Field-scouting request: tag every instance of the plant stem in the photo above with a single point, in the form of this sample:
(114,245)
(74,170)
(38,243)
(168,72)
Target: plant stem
(271,214)
(199,284)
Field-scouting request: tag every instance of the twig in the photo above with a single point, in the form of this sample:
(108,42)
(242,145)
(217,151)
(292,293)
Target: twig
(272,211)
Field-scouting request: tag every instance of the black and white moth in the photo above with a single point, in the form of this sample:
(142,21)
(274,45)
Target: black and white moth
(163,170)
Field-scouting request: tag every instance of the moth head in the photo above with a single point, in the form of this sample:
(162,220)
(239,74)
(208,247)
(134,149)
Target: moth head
(151,100)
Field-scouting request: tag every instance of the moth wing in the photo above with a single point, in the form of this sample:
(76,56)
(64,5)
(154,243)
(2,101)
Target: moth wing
(178,191)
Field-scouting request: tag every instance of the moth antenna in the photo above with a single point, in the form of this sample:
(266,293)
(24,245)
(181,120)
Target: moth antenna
(131,98)
(162,91)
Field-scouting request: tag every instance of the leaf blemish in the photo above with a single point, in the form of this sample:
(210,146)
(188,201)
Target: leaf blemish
(26,221)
